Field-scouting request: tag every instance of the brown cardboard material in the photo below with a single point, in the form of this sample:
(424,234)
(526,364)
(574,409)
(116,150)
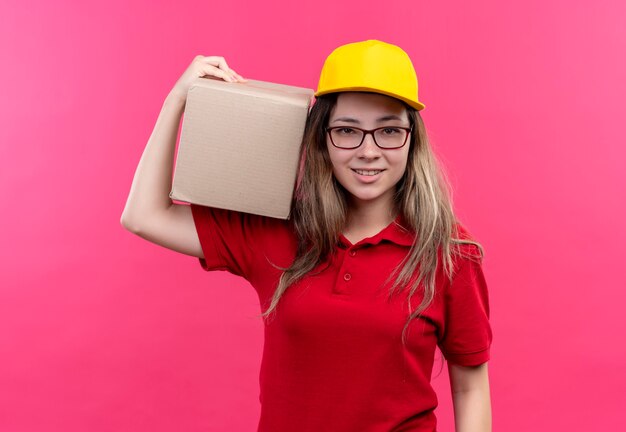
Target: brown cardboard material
(239,145)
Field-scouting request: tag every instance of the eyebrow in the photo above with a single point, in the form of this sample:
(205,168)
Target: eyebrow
(379,120)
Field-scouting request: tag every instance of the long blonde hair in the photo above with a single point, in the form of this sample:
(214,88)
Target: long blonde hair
(319,212)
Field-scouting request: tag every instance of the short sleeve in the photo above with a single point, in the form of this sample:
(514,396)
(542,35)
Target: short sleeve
(467,337)
(227,238)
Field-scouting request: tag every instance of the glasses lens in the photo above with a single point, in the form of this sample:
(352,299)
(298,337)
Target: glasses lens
(346,137)
(390,137)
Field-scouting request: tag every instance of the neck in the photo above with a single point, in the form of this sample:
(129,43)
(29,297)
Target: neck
(368,218)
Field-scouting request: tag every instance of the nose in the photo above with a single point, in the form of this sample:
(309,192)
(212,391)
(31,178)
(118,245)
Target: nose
(368,149)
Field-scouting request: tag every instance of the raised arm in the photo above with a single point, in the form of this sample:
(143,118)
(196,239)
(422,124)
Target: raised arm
(149,211)
(471,398)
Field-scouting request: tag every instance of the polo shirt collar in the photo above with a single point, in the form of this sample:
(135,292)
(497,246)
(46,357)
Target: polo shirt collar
(395,232)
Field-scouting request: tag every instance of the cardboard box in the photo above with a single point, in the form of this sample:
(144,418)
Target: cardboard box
(239,145)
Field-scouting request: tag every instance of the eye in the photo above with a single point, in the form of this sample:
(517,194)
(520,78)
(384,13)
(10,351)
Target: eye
(391,131)
(345,131)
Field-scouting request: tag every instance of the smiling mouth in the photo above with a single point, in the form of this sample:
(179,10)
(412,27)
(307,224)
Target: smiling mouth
(367,172)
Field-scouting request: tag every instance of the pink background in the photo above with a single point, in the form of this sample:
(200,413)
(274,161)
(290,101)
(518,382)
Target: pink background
(103,331)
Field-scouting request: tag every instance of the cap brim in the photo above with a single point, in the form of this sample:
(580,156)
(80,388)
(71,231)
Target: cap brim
(417,105)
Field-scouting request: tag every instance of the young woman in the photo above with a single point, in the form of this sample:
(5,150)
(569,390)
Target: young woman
(368,276)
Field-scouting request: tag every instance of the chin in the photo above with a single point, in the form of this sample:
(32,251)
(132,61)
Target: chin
(368,197)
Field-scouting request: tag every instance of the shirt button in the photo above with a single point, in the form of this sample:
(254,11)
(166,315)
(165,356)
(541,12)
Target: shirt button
(347,276)
(352,253)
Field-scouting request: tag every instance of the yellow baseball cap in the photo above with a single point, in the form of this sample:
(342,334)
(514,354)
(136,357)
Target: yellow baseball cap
(370,66)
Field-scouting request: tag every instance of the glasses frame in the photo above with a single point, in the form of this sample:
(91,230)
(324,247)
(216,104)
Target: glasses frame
(367,132)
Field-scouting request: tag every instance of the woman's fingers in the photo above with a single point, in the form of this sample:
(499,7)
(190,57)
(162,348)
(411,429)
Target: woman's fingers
(216,61)
(205,65)
(238,76)
(221,64)
(219,73)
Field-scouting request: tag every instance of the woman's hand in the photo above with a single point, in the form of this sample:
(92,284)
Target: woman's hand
(202,66)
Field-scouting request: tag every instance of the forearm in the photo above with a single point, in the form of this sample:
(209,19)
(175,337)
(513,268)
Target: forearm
(472,410)
(470,395)
(152,183)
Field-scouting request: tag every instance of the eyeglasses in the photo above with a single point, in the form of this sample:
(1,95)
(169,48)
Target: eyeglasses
(386,137)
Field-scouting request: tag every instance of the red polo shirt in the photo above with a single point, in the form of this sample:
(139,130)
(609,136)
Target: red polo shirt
(333,358)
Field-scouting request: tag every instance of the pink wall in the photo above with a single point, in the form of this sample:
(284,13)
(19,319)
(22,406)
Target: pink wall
(102,331)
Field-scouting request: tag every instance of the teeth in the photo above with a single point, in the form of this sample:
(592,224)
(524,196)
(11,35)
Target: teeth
(368,172)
